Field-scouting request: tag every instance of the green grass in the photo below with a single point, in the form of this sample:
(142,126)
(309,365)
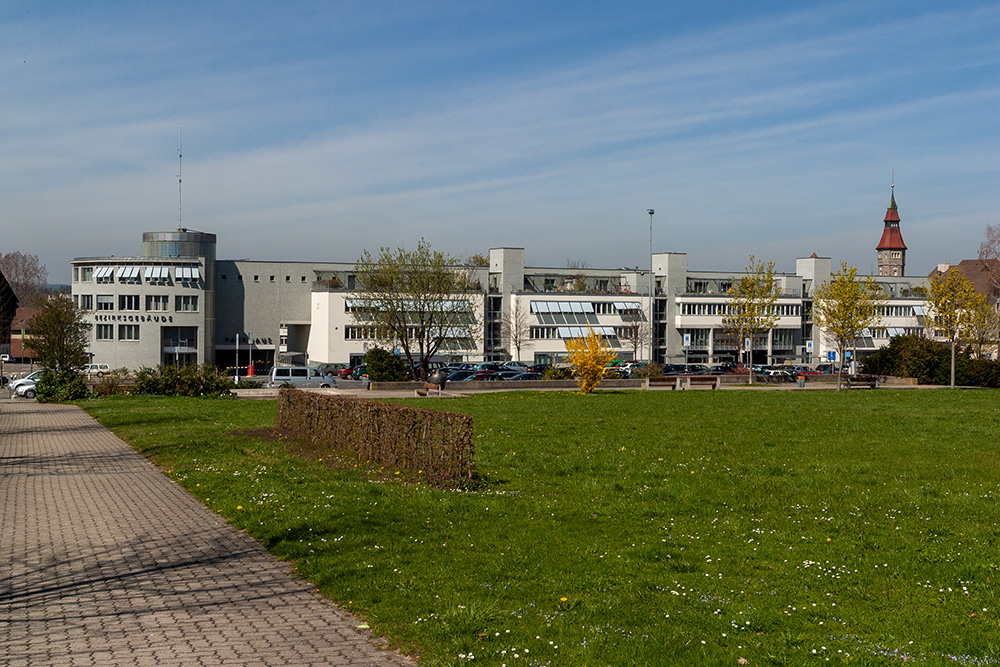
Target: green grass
(638,528)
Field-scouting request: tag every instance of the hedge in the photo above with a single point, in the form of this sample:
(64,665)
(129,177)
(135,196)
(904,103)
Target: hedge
(430,445)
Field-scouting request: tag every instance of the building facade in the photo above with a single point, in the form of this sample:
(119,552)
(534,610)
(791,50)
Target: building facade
(176,303)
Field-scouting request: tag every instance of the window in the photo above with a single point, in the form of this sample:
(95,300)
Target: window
(128,332)
(104,274)
(128,302)
(105,302)
(86,301)
(272,279)
(158,303)
(288,279)
(86,274)
(187,303)
(105,332)
(223,276)
(256,279)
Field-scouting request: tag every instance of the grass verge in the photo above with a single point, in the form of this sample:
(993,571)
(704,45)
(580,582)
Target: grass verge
(637,528)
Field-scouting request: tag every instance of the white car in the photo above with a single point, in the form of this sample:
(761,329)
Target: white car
(96,369)
(28,379)
(26,389)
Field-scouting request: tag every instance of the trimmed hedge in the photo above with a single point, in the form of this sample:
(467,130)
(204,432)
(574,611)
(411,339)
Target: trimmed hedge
(429,445)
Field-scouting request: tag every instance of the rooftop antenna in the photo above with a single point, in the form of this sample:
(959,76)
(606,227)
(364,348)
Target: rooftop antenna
(180,143)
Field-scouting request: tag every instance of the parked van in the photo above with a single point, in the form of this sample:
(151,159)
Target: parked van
(299,376)
(96,369)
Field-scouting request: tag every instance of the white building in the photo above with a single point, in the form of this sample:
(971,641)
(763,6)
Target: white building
(177,304)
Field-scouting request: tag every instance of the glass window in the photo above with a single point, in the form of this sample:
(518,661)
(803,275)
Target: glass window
(105,332)
(159,303)
(105,302)
(128,332)
(86,302)
(187,303)
(128,302)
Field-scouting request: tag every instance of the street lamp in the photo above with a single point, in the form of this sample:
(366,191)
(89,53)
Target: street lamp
(650,325)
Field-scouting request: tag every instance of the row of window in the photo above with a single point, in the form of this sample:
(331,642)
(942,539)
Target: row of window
(780,309)
(155,303)
(256,278)
(125,332)
(172,336)
(135,275)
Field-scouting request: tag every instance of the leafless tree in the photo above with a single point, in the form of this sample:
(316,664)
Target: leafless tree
(635,331)
(26,276)
(989,254)
(515,328)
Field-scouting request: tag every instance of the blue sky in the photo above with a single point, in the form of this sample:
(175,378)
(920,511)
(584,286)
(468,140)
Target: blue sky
(314,130)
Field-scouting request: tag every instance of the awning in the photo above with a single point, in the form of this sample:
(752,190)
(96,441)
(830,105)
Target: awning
(188,273)
(581,332)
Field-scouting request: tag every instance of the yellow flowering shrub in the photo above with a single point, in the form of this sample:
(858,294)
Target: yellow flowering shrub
(589,355)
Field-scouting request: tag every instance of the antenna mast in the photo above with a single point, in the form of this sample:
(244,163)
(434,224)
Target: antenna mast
(180,142)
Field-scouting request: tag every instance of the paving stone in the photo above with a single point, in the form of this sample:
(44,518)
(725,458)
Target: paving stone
(106,561)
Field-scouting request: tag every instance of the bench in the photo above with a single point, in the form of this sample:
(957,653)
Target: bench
(679,382)
(428,386)
(862,382)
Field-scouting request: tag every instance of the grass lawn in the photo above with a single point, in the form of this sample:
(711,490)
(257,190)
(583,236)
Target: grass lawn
(638,528)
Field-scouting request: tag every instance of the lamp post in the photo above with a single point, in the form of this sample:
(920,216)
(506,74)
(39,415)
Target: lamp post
(651,327)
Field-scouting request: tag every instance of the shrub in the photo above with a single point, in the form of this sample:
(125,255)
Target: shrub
(556,374)
(111,383)
(589,355)
(384,366)
(647,371)
(66,385)
(929,362)
(185,381)
(429,445)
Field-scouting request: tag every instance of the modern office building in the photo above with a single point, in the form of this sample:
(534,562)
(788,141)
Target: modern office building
(176,303)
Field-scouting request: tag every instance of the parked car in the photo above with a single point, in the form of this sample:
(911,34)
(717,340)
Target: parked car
(32,378)
(458,376)
(525,376)
(299,376)
(518,366)
(484,376)
(26,389)
(496,368)
(95,370)
(360,372)
(539,368)
(346,372)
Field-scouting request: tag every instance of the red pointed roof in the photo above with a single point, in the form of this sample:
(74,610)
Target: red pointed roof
(892,238)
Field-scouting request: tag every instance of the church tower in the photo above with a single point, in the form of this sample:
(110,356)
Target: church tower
(891,249)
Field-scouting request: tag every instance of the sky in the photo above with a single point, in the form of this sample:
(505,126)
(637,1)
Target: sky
(316,130)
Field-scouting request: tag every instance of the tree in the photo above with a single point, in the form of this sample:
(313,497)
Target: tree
(989,253)
(478,259)
(751,309)
(515,328)
(984,327)
(59,334)
(953,298)
(845,306)
(589,355)
(419,300)
(635,332)
(26,276)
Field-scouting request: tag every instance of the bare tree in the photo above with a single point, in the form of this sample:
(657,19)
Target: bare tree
(515,328)
(989,253)
(26,276)
(634,331)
